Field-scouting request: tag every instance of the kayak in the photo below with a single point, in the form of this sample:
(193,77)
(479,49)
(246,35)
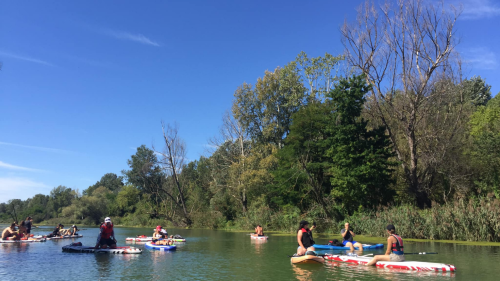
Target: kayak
(23,240)
(148,239)
(365,247)
(83,249)
(307,259)
(64,237)
(408,265)
(259,237)
(152,246)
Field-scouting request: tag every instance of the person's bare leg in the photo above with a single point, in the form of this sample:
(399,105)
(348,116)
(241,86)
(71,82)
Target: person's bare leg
(104,246)
(301,251)
(349,244)
(360,247)
(379,258)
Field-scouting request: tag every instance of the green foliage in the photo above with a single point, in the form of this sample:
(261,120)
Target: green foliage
(110,181)
(485,151)
(361,170)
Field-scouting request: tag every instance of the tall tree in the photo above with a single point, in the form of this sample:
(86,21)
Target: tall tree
(110,180)
(405,48)
(360,168)
(264,110)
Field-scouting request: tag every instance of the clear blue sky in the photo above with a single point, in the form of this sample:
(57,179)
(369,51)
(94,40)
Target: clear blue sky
(84,83)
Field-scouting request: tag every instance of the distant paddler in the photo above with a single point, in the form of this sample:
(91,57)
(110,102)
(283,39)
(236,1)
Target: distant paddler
(259,231)
(106,237)
(395,248)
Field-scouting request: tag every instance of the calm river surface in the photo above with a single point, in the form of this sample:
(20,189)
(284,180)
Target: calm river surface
(221,255)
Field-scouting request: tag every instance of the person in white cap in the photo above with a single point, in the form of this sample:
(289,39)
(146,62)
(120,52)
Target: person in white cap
(106,237)
(73,230)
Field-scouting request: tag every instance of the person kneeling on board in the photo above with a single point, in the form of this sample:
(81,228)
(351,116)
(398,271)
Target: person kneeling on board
(104,239)
(305,239)
(10,233)
(395,249)
(348,238)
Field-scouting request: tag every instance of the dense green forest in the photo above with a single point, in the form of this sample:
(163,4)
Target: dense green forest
(388,132)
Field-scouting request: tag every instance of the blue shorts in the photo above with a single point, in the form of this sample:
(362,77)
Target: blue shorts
(345,242)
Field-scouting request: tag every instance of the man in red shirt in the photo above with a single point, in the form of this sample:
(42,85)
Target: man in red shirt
(106,237)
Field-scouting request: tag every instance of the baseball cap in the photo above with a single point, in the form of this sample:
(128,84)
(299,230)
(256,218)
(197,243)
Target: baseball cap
(107,219)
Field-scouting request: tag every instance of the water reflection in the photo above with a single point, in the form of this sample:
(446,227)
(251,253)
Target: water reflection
(258,244)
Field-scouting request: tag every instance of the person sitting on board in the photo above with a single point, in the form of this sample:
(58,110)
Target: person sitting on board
(157,234)
(164,231)
(73,230)
(166,242)
(305,239)
(348,238)
(56,231)
(104,239)
(22,231)
(259,231)
(395,248)
(10,233)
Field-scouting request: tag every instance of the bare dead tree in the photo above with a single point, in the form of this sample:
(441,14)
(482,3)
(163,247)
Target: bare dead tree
(404,49)
(172,161)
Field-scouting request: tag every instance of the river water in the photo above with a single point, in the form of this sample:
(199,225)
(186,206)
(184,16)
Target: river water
(222,255)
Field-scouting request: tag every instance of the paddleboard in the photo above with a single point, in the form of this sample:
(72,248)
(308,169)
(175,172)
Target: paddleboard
(253,236)
(64,237)
(408,265)
(83,249)
(365,247)
(307,259)
(23,241)
(152,246)
(148,239)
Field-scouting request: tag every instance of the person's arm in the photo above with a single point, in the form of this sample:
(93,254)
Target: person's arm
(113,235)
(352,233)
(343,232)
(98,238)
(389,246)
(299,239)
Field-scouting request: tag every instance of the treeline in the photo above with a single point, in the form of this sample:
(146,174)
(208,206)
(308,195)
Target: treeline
(388,132)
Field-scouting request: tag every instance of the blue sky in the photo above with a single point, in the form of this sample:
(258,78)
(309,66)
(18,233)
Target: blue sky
(84,83)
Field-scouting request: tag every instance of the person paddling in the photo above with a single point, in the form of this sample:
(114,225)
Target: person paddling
(104,239)
(305,238)
(348,238)
(395,248)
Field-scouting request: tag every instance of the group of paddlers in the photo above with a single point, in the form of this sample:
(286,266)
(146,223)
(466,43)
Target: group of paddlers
(394,252)
(23,230)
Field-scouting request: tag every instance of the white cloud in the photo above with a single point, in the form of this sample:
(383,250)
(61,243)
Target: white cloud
(476,9)
(20,188)
(14,56)
(139,38)
(481,58)
(36,147)
(19,168)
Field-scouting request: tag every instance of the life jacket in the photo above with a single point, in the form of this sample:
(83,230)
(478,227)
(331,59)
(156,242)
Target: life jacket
(307,239)
(398,247)
(106,231)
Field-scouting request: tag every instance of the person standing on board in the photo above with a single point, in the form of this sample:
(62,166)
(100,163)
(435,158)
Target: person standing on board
(348,238)
(395,249)
(305,238)
(28,223)
(104,239)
